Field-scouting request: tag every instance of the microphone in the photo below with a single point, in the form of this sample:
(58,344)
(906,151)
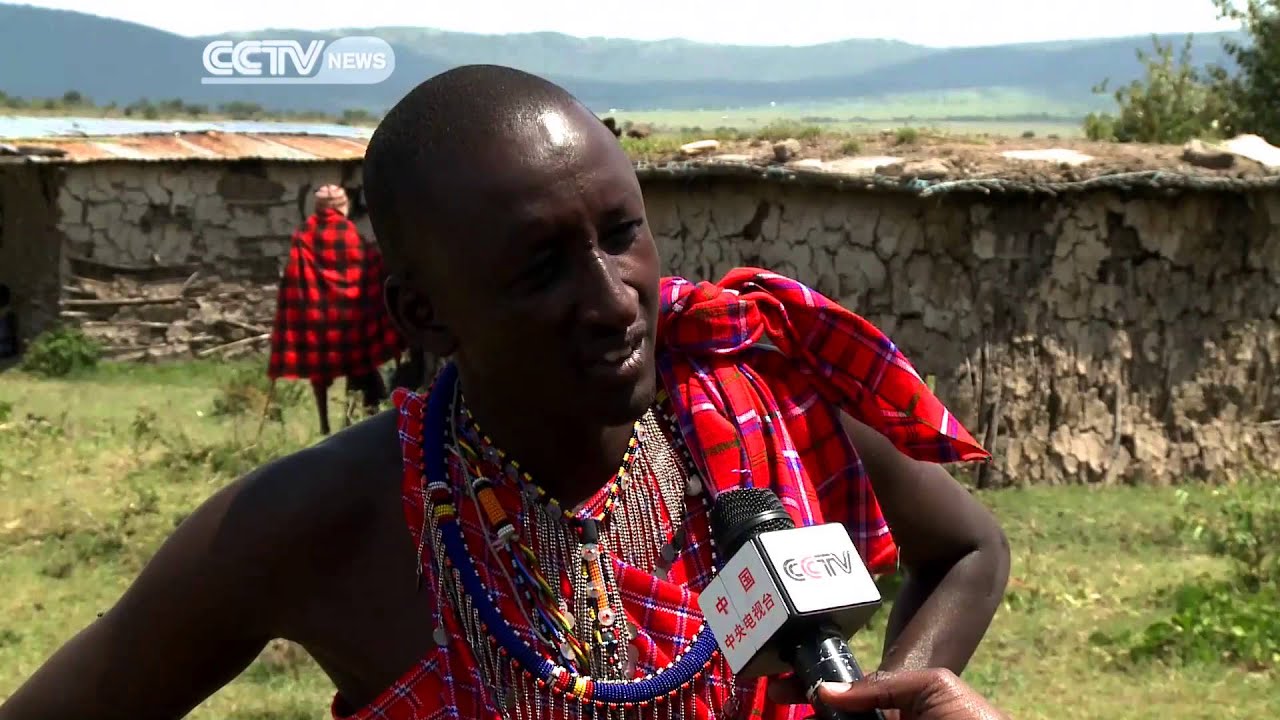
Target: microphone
(788,597)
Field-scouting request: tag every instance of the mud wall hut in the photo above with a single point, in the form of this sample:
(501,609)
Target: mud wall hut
(1101,318)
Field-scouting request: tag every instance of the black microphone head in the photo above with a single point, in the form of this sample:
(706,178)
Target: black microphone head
(741,514)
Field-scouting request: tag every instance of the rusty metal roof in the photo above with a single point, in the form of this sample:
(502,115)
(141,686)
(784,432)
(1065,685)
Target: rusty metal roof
(92,140)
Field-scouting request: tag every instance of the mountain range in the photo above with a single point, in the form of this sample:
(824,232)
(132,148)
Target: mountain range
(45,53)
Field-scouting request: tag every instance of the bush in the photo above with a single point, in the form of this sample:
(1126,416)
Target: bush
(1241,523)
(1252,94)
(1236,620)
(787,129)
(244,392)
(60,352)
(1173,103)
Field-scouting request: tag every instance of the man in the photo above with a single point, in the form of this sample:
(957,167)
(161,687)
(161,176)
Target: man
(330,318)
(529,538)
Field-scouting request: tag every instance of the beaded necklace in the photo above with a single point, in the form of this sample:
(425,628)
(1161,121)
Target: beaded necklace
(521,678)
(597,644)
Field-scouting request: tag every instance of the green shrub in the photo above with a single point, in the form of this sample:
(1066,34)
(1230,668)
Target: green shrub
(1213,621)
(244,392)
(60,352)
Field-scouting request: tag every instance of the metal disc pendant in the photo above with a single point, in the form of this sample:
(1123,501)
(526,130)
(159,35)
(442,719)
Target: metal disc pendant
(566,650)
(633,659)
(440,636)
(693,487)
(606,617)
(669,553)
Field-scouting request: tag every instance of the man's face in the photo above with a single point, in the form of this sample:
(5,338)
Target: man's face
(551,286)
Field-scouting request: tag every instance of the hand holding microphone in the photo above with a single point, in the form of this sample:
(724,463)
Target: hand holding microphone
(787,597)
(933,694)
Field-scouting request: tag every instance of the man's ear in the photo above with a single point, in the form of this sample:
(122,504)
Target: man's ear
(415,317)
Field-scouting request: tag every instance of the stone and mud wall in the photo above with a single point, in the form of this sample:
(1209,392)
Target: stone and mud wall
(1092,337)
(167,260)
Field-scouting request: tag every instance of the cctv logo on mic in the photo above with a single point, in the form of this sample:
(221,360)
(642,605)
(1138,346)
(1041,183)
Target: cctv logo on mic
(816,567)
(777,579)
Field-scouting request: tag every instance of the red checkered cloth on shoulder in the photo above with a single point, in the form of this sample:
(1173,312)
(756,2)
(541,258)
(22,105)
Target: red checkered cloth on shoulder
(757,369)
(331,320)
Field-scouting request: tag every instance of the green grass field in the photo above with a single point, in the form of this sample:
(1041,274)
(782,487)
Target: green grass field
(96,470)
(983,111)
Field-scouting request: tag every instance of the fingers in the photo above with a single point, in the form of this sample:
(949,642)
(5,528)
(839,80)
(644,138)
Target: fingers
(883,691)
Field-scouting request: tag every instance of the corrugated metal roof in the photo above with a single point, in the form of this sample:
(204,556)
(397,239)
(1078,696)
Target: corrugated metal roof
(192,147)
(90,140)
(36,128)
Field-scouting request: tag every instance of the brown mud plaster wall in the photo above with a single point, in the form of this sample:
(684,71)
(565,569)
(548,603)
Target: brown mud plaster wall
(1084,338)
(171,259)
(30,253)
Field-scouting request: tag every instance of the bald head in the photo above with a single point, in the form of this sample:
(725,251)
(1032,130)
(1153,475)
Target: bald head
(517,245)
(472,119)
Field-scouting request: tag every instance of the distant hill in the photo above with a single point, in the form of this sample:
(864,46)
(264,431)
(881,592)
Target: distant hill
(44,53)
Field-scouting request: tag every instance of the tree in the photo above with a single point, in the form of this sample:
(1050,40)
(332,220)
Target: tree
(1176,101)
(1252,93)
(1173,103)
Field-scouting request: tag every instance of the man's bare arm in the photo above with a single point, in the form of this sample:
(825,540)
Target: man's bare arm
(197,615)
(955,554)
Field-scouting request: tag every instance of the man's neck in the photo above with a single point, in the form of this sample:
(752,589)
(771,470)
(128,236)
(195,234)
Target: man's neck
(540,445)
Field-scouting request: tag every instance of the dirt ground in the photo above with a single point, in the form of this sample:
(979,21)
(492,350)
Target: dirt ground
(982,156)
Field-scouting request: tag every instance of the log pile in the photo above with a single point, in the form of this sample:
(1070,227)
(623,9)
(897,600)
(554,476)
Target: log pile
(155,312)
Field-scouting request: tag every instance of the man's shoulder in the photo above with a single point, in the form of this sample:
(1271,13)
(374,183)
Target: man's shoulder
(301,497)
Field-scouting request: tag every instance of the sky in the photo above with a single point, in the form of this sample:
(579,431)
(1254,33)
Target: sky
(938,23)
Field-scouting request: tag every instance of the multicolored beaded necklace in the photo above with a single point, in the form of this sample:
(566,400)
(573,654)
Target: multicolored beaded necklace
(577,665)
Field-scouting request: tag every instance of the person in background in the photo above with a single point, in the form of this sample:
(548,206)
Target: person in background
(331,320)
(8,324)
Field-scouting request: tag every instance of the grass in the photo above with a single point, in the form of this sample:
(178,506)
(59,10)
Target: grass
(96,470)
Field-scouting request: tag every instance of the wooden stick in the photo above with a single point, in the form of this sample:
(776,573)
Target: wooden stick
(266,407)
(233,345)
(989,441)
(164,300)
(125,324)
(129,268)
(244,326)
(187,285)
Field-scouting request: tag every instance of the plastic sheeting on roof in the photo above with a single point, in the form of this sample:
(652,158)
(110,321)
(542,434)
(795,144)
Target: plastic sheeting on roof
(34,128)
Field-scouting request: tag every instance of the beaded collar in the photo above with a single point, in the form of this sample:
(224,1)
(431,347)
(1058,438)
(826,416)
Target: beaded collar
(525,662)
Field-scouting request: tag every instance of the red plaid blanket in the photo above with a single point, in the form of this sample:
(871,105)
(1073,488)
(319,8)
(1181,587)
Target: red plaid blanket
(758,367)
(330,317)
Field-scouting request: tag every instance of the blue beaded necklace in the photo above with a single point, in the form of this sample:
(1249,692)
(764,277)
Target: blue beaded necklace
(662,687)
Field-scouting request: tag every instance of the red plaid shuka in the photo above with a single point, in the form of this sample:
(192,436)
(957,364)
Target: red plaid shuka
(331,321)
(758,368)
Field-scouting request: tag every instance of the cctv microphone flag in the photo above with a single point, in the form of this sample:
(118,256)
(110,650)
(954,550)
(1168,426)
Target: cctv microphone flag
(783,577)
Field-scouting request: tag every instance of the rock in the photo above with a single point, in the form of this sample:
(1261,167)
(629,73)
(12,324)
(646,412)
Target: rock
(786,150)
(1203,155)
(699,147)
(918,169)
(1256,149)
(926,170)
(639,131)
